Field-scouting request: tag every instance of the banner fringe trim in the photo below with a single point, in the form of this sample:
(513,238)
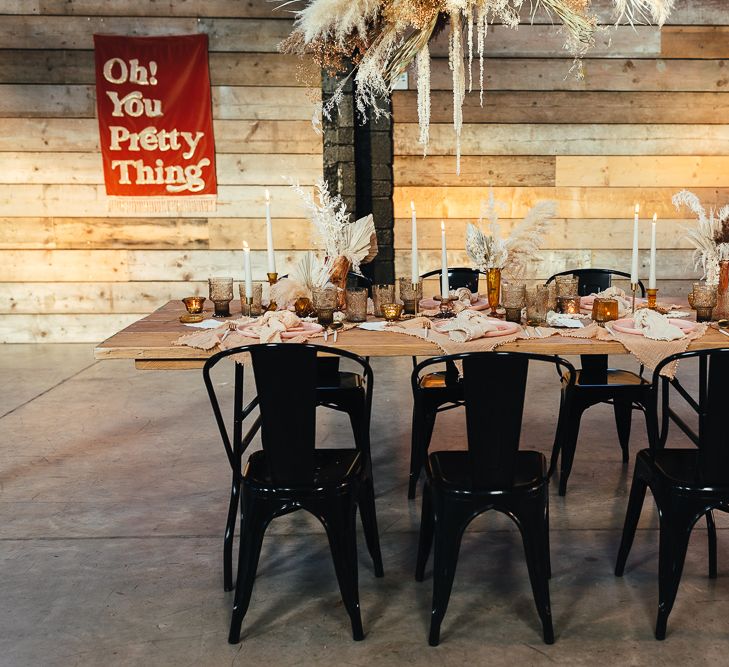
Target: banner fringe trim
(202,204)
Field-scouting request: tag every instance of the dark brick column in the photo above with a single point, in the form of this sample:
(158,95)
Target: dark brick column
(358,165)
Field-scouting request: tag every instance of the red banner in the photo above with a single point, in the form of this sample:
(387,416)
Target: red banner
(155,122)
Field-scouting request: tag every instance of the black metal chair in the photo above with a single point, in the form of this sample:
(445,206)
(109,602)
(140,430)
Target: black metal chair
(686,483)
(596,383)
(458,277)
(438,391)
(595,280)
(492,474)
(290,473)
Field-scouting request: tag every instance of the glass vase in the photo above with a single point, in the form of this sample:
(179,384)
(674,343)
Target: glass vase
(721,311)
(493,288)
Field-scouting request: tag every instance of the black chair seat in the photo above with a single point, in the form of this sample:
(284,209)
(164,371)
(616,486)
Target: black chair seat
(331,468)
(441,380)
(616,377)
(454,470)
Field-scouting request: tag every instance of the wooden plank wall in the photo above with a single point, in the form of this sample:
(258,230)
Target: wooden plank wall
(649,118)
(70,270)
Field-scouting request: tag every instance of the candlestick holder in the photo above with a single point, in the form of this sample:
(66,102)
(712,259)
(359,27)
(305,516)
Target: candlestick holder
(652,295)
(411,293)
(633,289)
(446,306)
(272,280)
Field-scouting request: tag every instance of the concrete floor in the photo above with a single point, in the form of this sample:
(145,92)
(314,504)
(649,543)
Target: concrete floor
(113,493)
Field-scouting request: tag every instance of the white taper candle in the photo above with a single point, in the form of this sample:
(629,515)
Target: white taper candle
(652,274)
(247,270)
(414,260)
(269,235)
(443,262)
(634,263)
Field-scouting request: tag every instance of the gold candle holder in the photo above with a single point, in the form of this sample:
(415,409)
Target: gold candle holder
(392,311)
(633,289)
(194,304)
(652,295)
(604,310)
(272,280)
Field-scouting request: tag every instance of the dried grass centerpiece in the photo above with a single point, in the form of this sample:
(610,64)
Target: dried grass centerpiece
(491,251)
(346,244)
(381,38)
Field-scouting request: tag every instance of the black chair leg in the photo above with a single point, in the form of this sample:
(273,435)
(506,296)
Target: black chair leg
(425,541)
(339,521)
(623,417)
(632,515)
(570,433)
(545,528)
(447,543)
(422,432)
(536,549)
(368,516)
(558,435)
(675,530)
(711,535)
(230,533)
(254,520)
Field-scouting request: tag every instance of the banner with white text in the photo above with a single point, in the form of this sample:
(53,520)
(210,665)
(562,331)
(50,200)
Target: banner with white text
(155,123)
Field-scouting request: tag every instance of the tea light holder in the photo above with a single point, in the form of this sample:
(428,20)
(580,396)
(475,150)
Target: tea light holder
(652,296)
(303,306)
(604,310)
(392,311)
(569,305)
(194,304)
(272,280)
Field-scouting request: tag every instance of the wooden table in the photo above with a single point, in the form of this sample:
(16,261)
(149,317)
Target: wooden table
(149,342)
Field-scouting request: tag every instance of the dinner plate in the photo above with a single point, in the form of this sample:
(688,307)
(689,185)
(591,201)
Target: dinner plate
(627,325)
(504,328)
(304,328)
(431,304)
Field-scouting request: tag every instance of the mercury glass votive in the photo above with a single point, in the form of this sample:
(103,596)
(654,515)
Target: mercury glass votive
(254,302)
(411,294)
(221,294)
(381,294)
(303,306)
(537,305)
(569,305)
(705,298)
(357,304)
(194,304)
(392,311)
(604,310)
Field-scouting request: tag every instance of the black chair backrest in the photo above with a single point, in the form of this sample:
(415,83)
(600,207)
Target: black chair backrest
(286,386)
(494,386)
(713,468)
(459,277)
(595,280)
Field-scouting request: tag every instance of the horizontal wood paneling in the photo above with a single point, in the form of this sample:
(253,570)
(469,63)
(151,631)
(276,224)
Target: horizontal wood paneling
(232,169)
(73,271)
(554,139)
(73,135)
(66,66)
(229,102)
(577,202)
(559,107)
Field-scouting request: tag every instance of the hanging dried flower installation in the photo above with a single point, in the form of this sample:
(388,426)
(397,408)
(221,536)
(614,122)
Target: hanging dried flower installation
(381,38)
